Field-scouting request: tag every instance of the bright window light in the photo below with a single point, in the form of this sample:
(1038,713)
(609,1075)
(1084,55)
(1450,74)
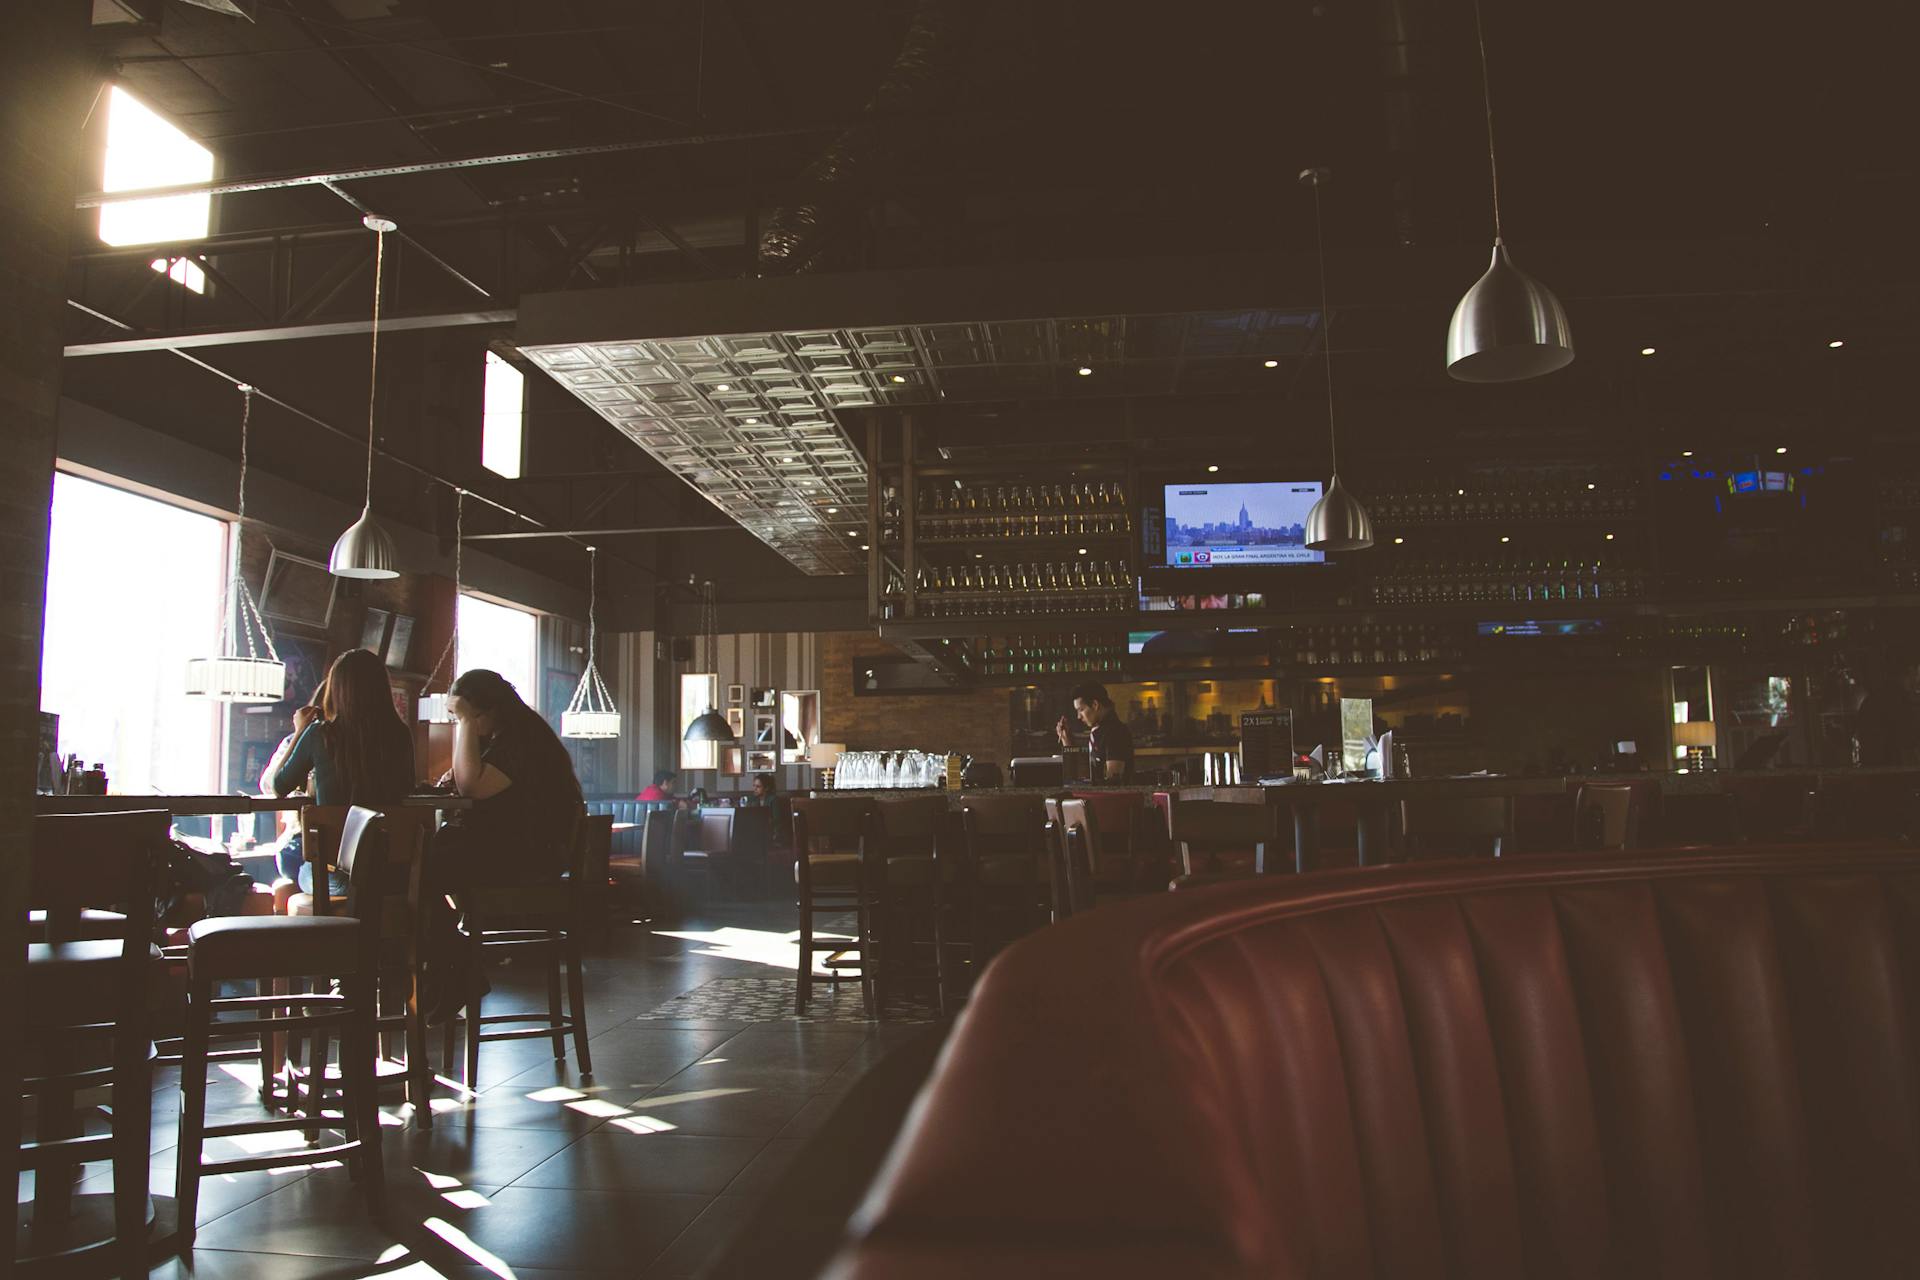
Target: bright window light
(115,556)
(503,419)
(499,638)
(144,150)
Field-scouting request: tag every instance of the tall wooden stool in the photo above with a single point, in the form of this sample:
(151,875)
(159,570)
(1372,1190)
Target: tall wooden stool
(317,947)
(88,982)
(547,919)
(830,876)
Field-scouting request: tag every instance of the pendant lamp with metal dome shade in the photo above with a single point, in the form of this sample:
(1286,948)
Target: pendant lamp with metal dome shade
(1509,326)
(1337,522)
(591,713)
(710,725)
(229,676)
(366,550)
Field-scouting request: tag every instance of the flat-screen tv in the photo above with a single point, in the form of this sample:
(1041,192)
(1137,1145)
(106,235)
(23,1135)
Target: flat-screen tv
(1239,525)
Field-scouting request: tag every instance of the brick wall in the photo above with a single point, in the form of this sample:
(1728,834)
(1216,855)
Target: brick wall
(976,723)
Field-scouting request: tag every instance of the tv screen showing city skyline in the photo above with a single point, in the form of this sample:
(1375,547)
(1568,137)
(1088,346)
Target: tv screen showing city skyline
(1213,526)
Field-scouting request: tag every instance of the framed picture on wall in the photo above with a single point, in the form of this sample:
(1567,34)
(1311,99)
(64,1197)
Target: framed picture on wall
(736,721)
(732,761)
(373,632)
(736,694)
(399,640)
(298,591)
(760,762)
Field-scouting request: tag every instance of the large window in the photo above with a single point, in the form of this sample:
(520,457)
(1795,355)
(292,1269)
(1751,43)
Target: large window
(133,592)
(503,418)
(500,638)
(144,150)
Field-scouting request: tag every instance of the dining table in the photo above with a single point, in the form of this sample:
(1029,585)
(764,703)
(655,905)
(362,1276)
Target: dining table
(1374,800)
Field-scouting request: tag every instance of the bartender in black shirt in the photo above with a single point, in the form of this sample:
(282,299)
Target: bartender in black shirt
(1109,741)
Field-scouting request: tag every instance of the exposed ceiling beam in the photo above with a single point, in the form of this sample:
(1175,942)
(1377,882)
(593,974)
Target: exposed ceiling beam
(284,333)
(95,199)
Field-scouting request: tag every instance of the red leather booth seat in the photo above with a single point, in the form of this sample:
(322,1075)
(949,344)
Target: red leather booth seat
(1632,1066)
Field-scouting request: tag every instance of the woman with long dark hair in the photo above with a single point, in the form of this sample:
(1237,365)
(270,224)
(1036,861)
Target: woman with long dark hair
(349,747)
(510,763)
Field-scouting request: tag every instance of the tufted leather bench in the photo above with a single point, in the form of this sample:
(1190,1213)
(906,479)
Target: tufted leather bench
(1629,1065)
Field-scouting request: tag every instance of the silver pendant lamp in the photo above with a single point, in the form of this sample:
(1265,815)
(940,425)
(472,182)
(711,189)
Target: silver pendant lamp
(228,676)
(710,725)
(1509,326)
(1337,522)
(365,550)
(591,713)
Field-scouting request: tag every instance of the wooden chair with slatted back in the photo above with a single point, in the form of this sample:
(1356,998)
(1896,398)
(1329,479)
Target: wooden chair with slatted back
(87,1020)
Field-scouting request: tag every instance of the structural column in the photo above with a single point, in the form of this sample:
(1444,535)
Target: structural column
(46,85)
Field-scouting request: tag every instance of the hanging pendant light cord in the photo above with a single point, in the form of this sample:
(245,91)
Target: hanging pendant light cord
(1326,329)
(373,377)
(459,546)
(593,579)
(1486,93)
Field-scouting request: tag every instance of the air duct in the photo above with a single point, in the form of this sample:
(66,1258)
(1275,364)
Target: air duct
(837,185)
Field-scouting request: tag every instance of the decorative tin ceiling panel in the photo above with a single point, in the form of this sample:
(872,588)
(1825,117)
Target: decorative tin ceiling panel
(750,420)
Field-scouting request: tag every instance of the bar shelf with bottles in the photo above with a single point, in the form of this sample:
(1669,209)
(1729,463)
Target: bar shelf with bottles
(1560,496)
(969,511)
(1530,578)
(1026,657)
(978,588)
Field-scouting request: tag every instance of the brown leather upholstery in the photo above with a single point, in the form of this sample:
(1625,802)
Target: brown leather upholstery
(249,946)
(1622,1065)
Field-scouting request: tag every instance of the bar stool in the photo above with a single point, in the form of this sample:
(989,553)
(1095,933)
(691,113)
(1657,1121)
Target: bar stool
(402,922)
(1216,837)
(1003,868)
(319,947)
(88,980)
(548,919)
(830,876)
(898,851)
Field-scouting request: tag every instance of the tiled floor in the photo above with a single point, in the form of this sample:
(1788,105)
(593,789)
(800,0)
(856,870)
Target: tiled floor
(648,1168)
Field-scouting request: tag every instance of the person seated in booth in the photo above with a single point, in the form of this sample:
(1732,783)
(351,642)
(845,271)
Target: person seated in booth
(663,790)
(510,763)
(1109,741)
(348,747)
(764,793)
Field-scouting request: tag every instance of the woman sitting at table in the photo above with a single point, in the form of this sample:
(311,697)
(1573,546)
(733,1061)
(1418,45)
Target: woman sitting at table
(349,747)
(510,763)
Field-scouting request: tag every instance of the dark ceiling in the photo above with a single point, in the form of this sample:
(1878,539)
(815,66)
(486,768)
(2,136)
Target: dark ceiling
(1731,186)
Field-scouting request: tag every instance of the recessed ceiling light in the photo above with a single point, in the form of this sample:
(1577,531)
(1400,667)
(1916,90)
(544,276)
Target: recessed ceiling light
(899,377)
(1081,551)
(1646,351)
(1836,344)
(1609,537)
(1398,541)
(1271,364)
(1686,453)
(833,511)
(853,533)
(978,555)
(1781,449)
(1461,492)
(1213,467)
(1505,538)
(724,386)
(753,422)
(865,547)
(1085,371)
(1590,484)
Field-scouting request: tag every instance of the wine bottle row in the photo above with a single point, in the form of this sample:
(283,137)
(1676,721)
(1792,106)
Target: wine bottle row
(1469,581)
(1090,509)
(1368,645)
(1064,575)
(1046,655)
(1468,503)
